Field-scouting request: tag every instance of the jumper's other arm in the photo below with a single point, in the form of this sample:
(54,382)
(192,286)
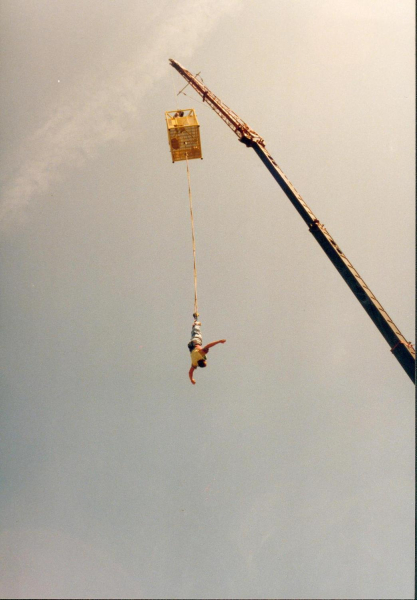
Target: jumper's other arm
(190,375)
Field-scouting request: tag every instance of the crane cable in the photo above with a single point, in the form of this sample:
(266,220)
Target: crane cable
(195,315)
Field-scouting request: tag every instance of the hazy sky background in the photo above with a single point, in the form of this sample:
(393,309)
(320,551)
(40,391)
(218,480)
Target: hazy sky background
(288,470)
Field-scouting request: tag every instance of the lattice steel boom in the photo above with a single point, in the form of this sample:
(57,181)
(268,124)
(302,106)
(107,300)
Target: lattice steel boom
(400,347)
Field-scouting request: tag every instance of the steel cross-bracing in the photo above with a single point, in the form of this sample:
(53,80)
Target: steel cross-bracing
(400,347)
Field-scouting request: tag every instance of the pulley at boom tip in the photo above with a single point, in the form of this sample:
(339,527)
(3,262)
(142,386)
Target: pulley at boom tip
(176,64)
(241,129)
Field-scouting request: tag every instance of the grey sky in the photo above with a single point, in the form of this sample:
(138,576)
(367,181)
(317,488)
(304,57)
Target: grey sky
(288,470)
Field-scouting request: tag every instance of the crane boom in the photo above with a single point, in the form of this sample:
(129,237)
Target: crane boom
(400,347)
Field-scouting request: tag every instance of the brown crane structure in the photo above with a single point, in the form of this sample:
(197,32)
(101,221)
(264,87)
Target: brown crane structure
(400,347)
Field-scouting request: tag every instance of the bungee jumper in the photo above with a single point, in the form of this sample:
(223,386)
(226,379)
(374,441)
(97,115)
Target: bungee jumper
(197,350)
(184,142)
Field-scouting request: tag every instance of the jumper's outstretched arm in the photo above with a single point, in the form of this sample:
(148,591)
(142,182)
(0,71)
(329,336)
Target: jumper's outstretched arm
(208,346)
(190,375)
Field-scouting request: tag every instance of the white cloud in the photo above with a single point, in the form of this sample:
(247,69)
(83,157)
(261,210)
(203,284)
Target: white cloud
(77,130)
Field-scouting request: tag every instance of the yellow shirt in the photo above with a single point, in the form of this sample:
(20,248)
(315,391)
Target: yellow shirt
(197,355)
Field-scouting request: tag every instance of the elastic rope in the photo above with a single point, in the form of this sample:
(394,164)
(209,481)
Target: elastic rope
(193,238)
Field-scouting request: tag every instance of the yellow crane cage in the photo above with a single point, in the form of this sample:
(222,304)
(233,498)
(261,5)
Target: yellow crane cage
(183,134)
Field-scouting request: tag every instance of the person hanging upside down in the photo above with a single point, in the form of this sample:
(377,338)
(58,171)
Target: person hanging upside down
(197,350)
